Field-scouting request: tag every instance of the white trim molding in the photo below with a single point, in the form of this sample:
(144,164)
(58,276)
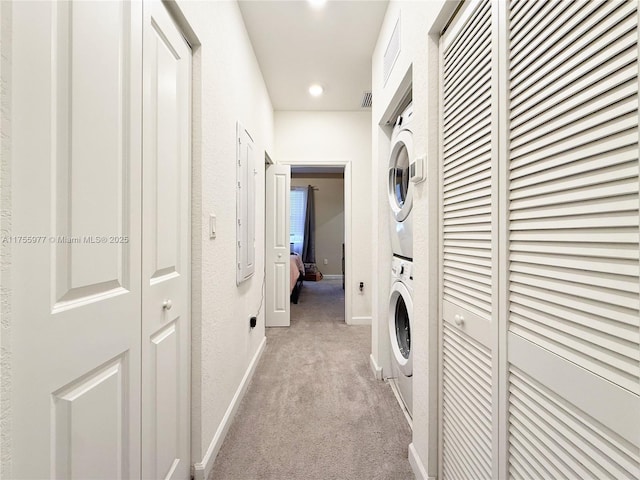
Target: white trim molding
(359,321)
(332,277)
(349,287)
(417,466)
(202,470)
(375,368)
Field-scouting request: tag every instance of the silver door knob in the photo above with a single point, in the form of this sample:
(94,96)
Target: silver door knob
(167,304)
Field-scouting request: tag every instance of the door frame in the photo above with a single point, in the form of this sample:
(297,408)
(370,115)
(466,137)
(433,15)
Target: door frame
(346,165)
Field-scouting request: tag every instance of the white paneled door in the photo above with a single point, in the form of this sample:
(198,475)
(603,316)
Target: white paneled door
(166,243)
(99,366)
(278,186)
(76,289)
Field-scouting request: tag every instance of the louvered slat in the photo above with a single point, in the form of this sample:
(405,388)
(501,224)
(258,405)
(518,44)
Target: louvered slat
(559,439)
(569,49)
(456,50)
(467,164)
(467,406)
(573,199)
(468,210)
(549,17)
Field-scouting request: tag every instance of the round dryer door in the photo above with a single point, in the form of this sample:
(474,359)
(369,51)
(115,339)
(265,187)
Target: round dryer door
(400,188)
(400,313)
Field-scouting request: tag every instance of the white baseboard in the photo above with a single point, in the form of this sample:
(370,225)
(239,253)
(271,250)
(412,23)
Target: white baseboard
(332,277)
(396,393)
(417,466)
(360,321)
(377,371)
(202,470)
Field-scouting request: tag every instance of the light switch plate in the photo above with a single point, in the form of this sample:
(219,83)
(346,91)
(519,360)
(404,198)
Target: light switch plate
(212,226)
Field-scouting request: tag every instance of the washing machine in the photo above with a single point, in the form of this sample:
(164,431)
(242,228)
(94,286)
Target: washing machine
(400,187)
(400,322)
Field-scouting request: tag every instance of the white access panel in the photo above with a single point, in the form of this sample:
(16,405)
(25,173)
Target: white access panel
(246,205)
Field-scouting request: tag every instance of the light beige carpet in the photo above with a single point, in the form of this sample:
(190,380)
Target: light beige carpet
(313,410)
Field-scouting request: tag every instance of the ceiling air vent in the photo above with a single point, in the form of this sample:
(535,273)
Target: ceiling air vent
(366,100)
(392,52)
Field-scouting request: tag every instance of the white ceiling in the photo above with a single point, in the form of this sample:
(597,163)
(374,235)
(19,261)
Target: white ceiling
(297,45)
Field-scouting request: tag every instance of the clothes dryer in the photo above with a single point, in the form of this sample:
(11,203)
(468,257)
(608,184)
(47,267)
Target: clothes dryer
(400,188)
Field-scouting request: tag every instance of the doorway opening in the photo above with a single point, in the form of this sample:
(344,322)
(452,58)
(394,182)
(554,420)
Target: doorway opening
(317,236)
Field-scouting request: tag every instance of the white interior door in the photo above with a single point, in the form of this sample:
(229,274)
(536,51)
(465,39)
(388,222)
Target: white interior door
(278,186)
(76,295)
(573,231)
(166,333)
(469,213)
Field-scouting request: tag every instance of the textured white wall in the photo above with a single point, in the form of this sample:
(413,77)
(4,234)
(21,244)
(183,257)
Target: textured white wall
(303,137)
(329,207)
(228,88)
(5,248)
(416,62)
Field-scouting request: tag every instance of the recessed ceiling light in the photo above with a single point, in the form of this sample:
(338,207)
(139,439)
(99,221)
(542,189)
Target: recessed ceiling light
(316,90)
(317,3)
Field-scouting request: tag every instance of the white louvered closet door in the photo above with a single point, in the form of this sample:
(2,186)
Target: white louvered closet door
(573,221)
(468,228)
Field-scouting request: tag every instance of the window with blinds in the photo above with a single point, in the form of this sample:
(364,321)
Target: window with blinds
(298,197)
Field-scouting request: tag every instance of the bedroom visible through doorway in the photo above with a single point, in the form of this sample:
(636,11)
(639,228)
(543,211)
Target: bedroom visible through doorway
(317,235)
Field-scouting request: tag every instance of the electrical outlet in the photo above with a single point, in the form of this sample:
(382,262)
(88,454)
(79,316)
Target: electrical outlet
(326,261)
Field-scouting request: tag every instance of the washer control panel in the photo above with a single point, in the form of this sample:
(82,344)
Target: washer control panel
(402,269)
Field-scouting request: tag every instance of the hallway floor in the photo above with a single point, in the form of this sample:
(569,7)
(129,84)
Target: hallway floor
(313,410)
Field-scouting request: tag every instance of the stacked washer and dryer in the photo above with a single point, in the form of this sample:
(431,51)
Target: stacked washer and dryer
(401,227)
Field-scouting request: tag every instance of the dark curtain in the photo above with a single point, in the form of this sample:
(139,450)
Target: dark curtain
(309,245)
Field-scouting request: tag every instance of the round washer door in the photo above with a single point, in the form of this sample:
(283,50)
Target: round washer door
(400,187)
(400,313)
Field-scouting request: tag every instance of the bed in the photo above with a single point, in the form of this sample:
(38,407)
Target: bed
(297,275)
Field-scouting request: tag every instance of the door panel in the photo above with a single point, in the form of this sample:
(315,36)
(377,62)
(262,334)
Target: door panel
(278,187)
(76,295)
(166,384)
(469,229)
(89,405)
(166,245)
(165,170)
(572,242)
(91,152)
